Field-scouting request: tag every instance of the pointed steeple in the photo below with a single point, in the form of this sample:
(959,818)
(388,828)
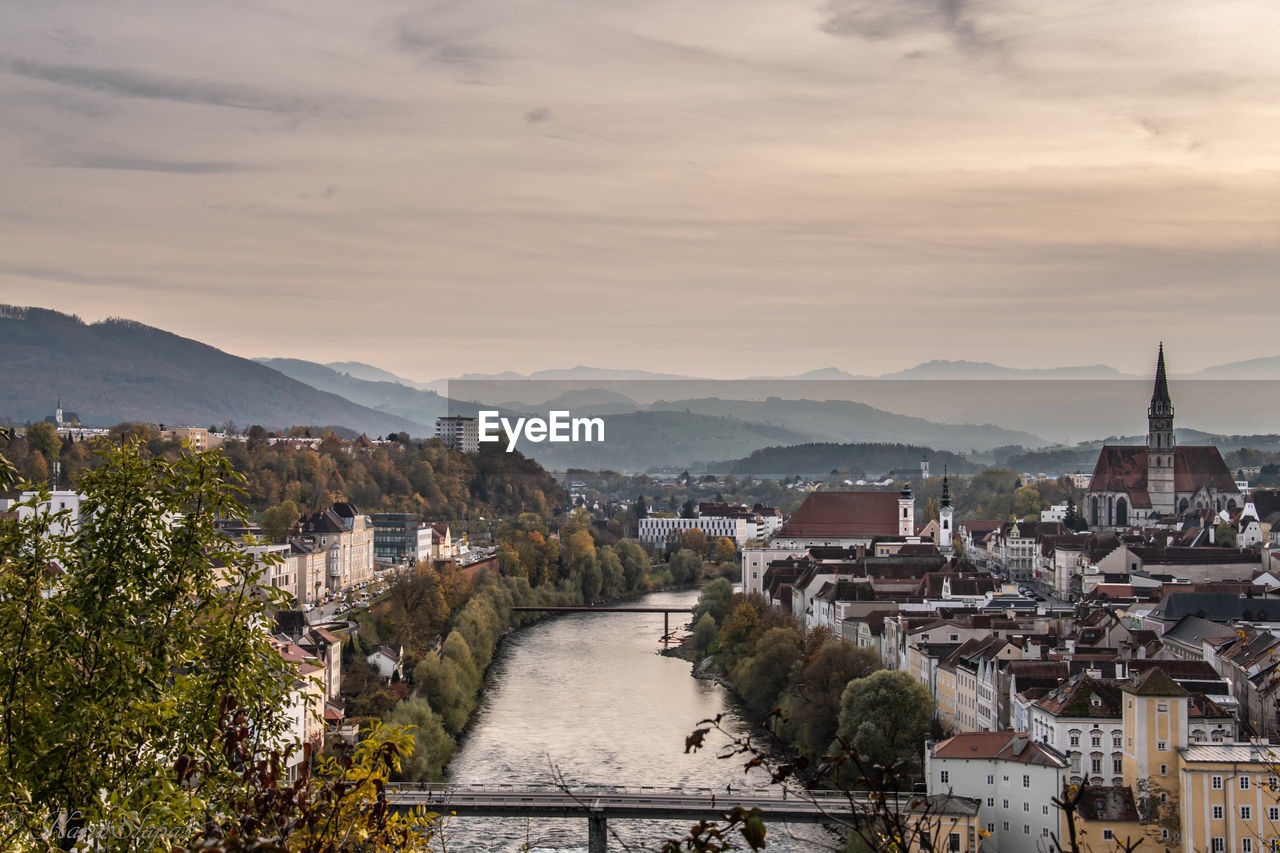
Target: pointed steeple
(1161,404)
(946,490)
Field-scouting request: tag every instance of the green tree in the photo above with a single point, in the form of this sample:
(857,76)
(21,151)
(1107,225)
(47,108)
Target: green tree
(715,599)
(885,717)
(279,520)
(760,678)
(689,509)
(126,666)
(635,565)
(1224,535)
(812,707)
(704,633)
(432,745)
(43,437)
(685,566)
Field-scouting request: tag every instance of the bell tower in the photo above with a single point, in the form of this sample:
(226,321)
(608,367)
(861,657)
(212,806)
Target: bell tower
(1160,444)
(906,512)
(945,516)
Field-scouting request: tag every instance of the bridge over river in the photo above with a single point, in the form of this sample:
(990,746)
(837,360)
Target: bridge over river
(599,804)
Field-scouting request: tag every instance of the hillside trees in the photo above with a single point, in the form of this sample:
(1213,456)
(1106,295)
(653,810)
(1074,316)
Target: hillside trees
(128,666)
(885,717)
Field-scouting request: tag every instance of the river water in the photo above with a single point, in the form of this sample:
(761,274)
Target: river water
(588,696)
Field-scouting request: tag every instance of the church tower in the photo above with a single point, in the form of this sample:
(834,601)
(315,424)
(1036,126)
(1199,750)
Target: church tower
(1160,446)
(906,512)
(945,513)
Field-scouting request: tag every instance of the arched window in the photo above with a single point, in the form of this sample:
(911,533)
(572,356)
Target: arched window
(1231,504)
(1182,507)
(1093,512)
(1122,512)
(1111,510)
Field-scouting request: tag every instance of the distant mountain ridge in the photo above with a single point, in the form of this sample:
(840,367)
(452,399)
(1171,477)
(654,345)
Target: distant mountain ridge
(942,369)
(119,370)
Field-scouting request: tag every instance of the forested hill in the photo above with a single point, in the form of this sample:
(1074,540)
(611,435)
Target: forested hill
(861,460)
(417,476)
(118,370)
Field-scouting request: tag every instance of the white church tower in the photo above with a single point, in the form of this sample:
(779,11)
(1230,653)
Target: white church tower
(946,521)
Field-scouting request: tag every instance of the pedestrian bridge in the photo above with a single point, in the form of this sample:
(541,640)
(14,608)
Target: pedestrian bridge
(599,804)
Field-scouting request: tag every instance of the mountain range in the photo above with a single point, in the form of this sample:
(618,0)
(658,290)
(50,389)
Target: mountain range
(117,370)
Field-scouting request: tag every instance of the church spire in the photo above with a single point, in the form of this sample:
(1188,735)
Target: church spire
(946,489)
(1161,404)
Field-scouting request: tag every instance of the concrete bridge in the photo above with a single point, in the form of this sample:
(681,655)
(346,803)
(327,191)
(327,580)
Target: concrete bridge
(665,611)
(599,804)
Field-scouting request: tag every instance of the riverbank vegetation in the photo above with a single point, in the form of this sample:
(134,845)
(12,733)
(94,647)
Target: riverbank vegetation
(820,695)
(450,624)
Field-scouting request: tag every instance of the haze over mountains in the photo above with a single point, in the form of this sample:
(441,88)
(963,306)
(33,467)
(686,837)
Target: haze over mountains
(118,370)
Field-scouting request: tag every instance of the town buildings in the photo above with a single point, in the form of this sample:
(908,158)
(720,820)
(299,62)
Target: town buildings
(459,432)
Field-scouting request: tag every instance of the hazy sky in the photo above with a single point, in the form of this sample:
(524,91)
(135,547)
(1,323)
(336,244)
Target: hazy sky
(723,187)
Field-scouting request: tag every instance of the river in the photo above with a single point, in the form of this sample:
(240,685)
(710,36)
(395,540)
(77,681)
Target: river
(588,695)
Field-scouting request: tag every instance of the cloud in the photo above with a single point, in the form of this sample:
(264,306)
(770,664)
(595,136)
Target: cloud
(145,164)
(880,20)
(538,115)
(128,83)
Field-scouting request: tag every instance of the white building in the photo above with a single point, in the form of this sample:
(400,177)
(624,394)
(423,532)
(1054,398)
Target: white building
(655,532)
(460,433)
(61,501)
(1014,778)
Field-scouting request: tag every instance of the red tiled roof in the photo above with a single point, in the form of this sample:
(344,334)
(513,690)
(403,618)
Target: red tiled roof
(1123,468)
(1006,746)
(844,515)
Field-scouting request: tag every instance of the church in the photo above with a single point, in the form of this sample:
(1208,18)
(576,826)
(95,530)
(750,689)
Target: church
(1141,484)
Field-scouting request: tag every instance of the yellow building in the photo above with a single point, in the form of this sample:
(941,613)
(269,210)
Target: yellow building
(1155,716)
(1107,820)
(1230,798)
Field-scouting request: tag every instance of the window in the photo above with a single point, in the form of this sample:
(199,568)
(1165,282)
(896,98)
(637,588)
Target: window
(1044,832)
(1164,798)
(1246,845)
(1026,781)
(1162,746)
(991,827)
(1006,826)
(1004,804)
(1097,740)
(1164,769)
(1215,782)
(1044,810)
(1108,835)
(1217,812)
(1117,765)
(1026,829)
(1219,844)
(1273,782)
(945,777)
(991,802)
(1116,741)
(1075,738)
(1273,813)
(991,779)
(953,842)
(1026,807)
(1244,783)
(1246,812)
(1096,764)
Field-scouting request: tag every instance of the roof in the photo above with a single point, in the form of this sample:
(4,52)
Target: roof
(1123,468)
(1233,753)
(844,515)
(1191,630)
(1214,606)
(1154,682)
(1109,803)
(999,746)
(1084,697)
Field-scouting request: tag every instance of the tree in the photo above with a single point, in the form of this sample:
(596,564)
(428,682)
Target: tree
(694,539)
(642,508)
(715,600)
(279,520)
(1224,535)
(812,708)
(126,665)
(725,550)
(885,717)
(760,678)
(689,509)
(685,566)
(43,437)
(704,633)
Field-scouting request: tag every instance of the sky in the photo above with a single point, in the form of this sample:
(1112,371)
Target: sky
(726,187)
